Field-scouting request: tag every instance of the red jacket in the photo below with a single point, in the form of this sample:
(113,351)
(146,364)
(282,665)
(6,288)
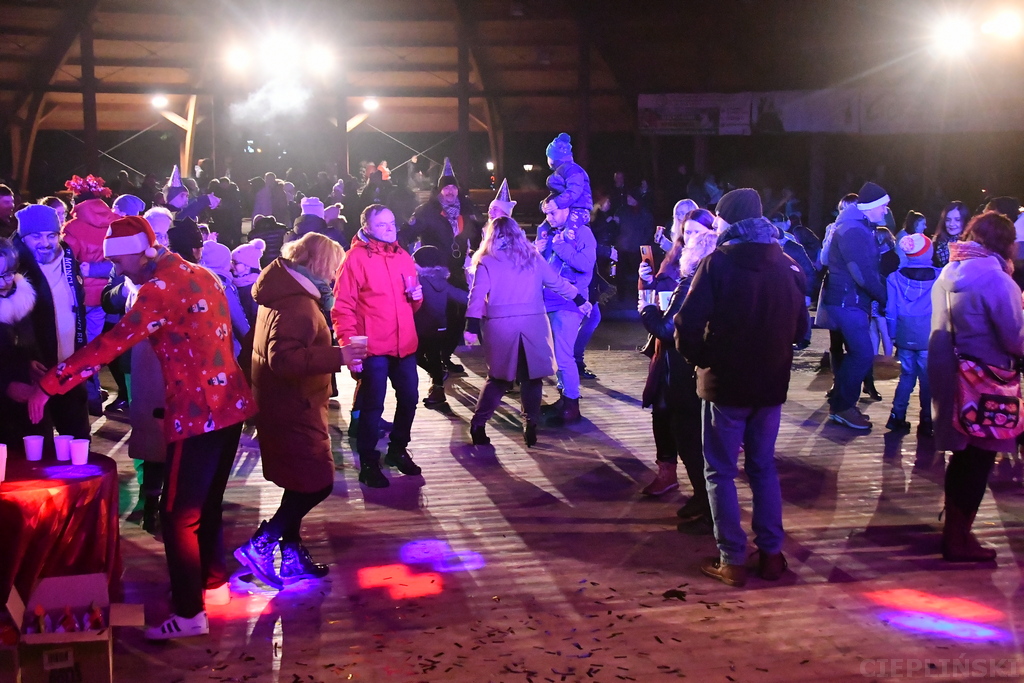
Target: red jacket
(370,298)
(84,233)
(183,313)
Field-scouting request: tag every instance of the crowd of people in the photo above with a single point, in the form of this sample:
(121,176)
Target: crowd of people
(206,329)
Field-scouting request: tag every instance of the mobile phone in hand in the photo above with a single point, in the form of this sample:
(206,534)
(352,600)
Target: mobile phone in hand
(647,254)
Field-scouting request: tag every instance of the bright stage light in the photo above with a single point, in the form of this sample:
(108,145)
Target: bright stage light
(528,167)
(490,165)
(284,55)
(1006,25)
(320,59)
(951,38)
(159,102)
(371,104)
(237,58)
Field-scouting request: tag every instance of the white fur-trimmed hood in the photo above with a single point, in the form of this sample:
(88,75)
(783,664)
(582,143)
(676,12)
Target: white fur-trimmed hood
(18,306)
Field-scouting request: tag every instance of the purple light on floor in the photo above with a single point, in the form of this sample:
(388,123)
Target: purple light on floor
(952,628)
(440,556)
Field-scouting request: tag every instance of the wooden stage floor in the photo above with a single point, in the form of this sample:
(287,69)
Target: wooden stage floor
(508,564)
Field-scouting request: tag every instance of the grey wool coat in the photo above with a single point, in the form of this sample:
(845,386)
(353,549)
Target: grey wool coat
(510,302)
(984,305)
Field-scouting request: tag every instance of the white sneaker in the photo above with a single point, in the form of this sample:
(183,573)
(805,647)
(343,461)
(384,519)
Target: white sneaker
(220,595)
(179,627)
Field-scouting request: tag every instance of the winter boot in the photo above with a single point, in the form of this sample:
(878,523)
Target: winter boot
(897,423)
(479,435)
(400,459)
(959,543)
(571,410)
(297,565)
(369,471)
(436,396)
(665,481)
(530,434)
(151,513)
(258,556)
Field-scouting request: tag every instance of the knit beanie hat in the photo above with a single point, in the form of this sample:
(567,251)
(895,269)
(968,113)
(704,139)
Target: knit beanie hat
(216,257)
(129,205)
(312,206)
(503,199)
(332,212)
(739,205)
(917,247)
(447,175)
(871,196)
(36,218)
(429,257)
(250,254)
(129,235)
(560,149)
(184,237)
(160,218)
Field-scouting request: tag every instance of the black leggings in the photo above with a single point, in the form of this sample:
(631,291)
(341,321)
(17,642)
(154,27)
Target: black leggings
(294,506)
(677,433)
(967,478)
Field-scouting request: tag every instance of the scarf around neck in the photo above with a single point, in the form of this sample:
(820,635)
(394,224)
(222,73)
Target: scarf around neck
(965,251)
(324,287)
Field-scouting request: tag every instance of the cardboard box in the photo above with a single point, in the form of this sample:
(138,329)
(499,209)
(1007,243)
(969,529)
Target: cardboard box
(76,657)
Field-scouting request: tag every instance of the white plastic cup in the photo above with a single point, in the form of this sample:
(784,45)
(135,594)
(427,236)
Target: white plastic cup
(3,462)
(648,297)
(80,451)
(62,445)
(358,340)
(663,300)
(33,448)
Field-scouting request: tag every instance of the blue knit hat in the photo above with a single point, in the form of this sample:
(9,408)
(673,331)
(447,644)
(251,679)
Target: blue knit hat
(560,149)
(129,205)
(36,218)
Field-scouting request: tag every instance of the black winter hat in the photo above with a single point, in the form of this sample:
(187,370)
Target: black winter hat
(739,205)
(429,257)
(1007,206)
(184,236)
(871,196)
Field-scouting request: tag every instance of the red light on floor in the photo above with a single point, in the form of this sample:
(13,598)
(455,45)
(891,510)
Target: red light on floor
(400,582)
(916,601)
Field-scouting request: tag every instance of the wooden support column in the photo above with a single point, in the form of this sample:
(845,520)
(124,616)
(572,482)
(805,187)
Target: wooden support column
(188,142)
(90,128)
(462,157)
(581,150)
(816,191)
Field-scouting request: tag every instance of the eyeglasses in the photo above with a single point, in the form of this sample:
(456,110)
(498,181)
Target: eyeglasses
(8,277)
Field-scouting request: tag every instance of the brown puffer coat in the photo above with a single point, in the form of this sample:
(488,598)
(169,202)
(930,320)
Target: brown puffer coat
(292,364)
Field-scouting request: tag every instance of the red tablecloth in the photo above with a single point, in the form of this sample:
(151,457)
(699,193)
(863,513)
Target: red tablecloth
(57,520)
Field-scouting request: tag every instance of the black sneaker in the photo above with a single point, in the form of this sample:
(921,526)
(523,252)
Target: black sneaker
(402,461)
(369,471)
(585,372)
(453,367)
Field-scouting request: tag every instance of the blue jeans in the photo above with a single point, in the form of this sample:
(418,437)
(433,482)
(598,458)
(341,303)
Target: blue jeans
(565,326)
(755,429)
(587,328)
(854,325)
(913,368)
(373,387)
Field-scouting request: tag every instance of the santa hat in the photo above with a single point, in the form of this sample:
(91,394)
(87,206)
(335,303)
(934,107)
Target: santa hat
(503,200)
(447,175)
(312,206)
(174,186)
(250,254)
(129,235)
(560,149)
(915,245)
(871,196)
(129,205)
(216,257)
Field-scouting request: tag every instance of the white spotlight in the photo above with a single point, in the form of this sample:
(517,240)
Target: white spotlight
(490,165)
(1006,25)
(951,38)
(371,104)
(528,167)
(159,102)
(237,58)
(320,59)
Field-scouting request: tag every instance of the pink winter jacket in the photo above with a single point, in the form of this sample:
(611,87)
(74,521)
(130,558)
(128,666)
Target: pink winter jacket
(84,233)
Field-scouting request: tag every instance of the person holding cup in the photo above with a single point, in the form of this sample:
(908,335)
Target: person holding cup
(375,295)
(293,363)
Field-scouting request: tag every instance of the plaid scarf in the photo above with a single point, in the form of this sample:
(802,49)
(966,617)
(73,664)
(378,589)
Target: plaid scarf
(965,251)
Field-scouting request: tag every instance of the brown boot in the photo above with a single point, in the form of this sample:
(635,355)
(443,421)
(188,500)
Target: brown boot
(771,567)
(730,574)
(436,396)
(665,481)
(570,410)
(959,543)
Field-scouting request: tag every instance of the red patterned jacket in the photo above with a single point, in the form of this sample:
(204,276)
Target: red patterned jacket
(183,312)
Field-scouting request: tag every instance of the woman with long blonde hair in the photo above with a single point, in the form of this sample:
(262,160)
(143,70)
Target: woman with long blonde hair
(506,310)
